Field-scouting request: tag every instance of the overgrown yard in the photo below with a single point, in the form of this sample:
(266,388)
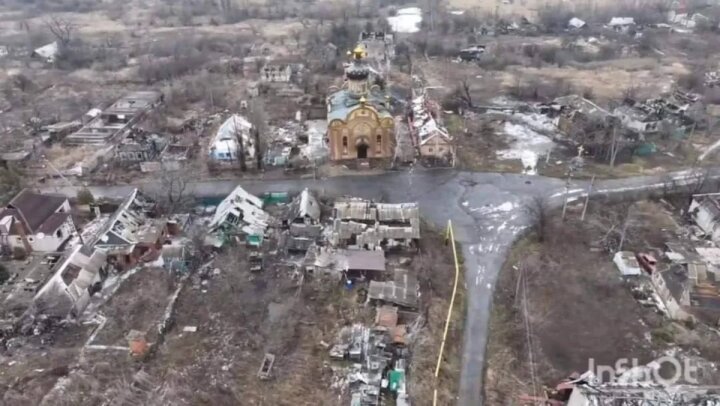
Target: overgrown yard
(576,304)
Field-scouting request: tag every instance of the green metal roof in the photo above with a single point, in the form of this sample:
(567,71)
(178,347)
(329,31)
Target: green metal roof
(344,102)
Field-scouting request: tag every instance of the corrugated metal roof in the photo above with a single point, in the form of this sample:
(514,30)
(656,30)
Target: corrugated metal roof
(402,291)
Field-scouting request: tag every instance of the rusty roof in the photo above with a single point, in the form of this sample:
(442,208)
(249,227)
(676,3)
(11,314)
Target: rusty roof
(387,316)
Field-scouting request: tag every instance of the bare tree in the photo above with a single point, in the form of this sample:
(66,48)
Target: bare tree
(62,29)
(432,7)
(258,118)
(462,92)
(173,195)
(538,210)
(241,145)
(614,148)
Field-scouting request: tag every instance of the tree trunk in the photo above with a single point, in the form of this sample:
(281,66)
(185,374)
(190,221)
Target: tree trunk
(241,148)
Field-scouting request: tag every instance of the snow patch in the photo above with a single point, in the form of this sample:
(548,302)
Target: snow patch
(407,20)
(527,146)
(537,122)
(507,206)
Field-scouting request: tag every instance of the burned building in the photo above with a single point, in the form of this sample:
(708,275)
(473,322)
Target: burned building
(116,119)
(638,120)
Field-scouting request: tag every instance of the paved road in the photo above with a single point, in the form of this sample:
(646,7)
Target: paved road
(488,211)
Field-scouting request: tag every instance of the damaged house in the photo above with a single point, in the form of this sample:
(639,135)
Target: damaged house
(36,222)
(705,212)
(303,222)
(364,224)
(584,123)
(432,139)
(621,24)
(276,71)
(140,147)
(576,115)
(379,46)
(239,213)
(658,114)
(116,119)
(77,278)
(234,140)
(131,235)
(637,120)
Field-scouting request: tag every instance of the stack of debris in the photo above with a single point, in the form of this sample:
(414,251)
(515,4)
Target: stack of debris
(636,386)
(712,79)
(380,357)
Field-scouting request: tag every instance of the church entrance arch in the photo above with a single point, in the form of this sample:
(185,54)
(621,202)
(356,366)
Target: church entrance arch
(362,150)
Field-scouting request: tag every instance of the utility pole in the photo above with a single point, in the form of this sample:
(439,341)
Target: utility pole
(624,229)
(587,198)
(567,191)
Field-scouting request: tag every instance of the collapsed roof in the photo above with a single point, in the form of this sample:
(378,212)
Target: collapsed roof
(304,206)
(424,124)
(243,210)
(130,224)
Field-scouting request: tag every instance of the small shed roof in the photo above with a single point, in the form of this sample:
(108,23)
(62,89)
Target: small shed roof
(362,260)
